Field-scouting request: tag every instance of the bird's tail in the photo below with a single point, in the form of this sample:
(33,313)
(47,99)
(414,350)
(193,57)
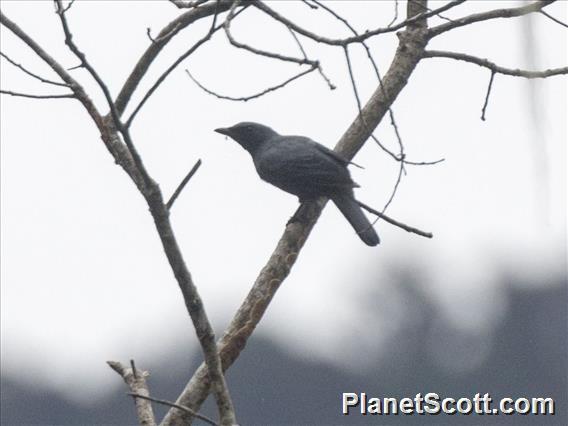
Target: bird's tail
(347,204)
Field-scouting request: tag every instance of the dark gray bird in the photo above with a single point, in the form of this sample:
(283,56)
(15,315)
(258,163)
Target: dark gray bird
(305,168)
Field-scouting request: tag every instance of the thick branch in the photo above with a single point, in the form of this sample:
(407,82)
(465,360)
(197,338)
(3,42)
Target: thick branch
(194,306)
(136,381)
(494,67)
(485,16)
(411,45)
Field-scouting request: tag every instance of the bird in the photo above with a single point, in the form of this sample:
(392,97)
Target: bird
(304,168)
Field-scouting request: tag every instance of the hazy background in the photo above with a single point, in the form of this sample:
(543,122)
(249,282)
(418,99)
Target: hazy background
(479,308)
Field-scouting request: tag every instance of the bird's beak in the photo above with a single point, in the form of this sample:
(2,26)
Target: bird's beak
(224,131)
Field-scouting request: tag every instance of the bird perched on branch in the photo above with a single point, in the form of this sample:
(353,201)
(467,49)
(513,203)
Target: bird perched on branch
(300,166)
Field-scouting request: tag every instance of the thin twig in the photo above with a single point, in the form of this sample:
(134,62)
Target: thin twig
(489,86)
(395,222)
(162,77)
(184,182)
(485,16)
(173,404)
(250,97)
(60,10)
(425,8)
(187,5)
(149,34)
(297,40)
(28,72)
(301,61)
(558,21)
(494,67)
(401,156)
(401,171)
(395,17)
(355,39)
(311,6)
(27,95)
(161,40)
(69,6)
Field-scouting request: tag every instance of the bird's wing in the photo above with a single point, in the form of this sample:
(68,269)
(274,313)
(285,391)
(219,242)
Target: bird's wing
(300,166)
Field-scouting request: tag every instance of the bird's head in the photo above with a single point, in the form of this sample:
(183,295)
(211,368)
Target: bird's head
(249,135)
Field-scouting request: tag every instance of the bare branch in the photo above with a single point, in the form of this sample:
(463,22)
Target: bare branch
(164,36)
(28,72)
(494,67)
(260,52)
(184,182)
(250,97)
(558,21)
(173,404)
(59,70)
(355,39)
(108,128)
(390,220)
(395,17)
(162,77)
(136,381)
(26,95)
(301,61)
(425,8)
(401,171)
(141,169)
(401,157)
(489,86)
(409,52)
(187,5)
(485,16)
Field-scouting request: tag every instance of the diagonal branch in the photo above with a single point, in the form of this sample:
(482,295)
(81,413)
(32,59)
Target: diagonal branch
(355,39)
(139,165)
(260,52)
(167,33)
(411,45)
(552,18)
(136,381)
(253,96)
(162,77)
(173,404)
(494,67)
(485,16)
(184,182)
(28,72)
(108,129)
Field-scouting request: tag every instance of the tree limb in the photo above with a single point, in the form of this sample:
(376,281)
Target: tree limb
(136,381)
(485,16)
(167,33)
(494,67)
(355,39)
(411,45)
(27,95)
(108,128)
(28,72)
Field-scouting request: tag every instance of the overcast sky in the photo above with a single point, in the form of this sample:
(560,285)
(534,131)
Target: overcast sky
(84,278)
